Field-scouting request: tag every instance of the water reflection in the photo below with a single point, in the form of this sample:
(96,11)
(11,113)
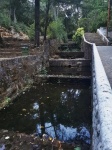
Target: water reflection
(67,134)
(70,94)
(61,111)
(35,106)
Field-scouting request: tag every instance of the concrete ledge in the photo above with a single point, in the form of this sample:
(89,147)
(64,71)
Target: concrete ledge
(102,106)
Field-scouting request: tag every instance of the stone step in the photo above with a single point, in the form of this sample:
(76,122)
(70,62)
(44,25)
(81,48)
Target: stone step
(63,79)
(15,54)
(11,39)
(76,71)
(65,46)
(70,55)
(69,62)
(94,38)
(10,50)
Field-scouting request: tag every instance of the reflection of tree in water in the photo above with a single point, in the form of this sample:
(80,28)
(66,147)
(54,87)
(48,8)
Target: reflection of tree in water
(60,108)
(74,107)
(71,94)
(67,134)
(65,115)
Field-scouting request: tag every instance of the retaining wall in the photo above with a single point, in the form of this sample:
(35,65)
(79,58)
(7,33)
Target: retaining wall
(102,104)
(17,73)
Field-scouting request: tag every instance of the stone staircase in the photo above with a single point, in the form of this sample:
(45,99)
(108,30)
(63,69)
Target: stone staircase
(14,48)
(68,66)
(12,43)
(94,38)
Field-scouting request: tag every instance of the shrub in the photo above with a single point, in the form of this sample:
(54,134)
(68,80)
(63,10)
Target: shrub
(56,30)
(77,37)
(5,20)
(84,22)
(20,27)
(31,31)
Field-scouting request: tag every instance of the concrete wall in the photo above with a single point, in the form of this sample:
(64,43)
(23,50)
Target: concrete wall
(102,105)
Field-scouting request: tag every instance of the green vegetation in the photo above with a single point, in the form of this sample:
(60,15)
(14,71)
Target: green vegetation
(7,100)
(43,71)
(94,15)
(5,20)
(77,37)
(56,30)
(31,31)
(58,18)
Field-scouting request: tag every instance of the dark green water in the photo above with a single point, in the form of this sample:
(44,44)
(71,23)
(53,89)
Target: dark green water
(63,109)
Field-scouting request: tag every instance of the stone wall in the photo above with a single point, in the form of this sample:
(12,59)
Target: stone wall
(53,46)
(86,47)
(17,73)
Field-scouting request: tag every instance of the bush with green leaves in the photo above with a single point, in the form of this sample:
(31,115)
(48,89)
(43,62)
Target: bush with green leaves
(84,22)
(20,27)
(56,30)
(77,37)
(31,31)
(5,20)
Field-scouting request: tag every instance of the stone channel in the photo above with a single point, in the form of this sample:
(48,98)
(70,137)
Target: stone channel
(20,73)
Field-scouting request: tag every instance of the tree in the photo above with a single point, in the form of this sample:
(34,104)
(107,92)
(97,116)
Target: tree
(94,15)
(47,17)
(37,22)
(14,5)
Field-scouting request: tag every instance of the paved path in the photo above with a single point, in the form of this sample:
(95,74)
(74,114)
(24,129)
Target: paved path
(106,57)
(94,38)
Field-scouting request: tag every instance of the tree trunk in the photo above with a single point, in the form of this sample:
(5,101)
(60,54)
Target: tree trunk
(37,22)
(46,18)
(13,14)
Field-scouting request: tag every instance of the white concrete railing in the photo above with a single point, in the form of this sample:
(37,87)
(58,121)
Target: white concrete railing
(102,106)
(103,37)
